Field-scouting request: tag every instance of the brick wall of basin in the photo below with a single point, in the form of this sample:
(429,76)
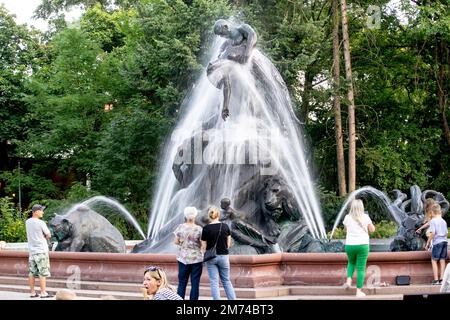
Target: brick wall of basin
(247,271)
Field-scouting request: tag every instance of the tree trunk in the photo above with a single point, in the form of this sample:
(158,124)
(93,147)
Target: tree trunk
(441,83)
(306,96)
(351,102)
(337,104)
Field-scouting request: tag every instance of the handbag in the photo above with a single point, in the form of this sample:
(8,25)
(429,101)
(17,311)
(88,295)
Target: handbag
(211,253)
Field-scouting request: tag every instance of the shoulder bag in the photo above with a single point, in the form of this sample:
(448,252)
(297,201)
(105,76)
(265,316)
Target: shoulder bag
(211,253)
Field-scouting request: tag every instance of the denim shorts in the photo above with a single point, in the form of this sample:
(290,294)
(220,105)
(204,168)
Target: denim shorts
(439,251)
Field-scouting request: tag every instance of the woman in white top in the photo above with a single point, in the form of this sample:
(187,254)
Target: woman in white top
(358,225)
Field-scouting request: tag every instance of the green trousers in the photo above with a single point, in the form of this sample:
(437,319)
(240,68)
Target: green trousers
(357,256)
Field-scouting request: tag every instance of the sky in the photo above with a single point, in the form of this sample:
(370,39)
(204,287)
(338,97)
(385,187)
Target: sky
(23,9)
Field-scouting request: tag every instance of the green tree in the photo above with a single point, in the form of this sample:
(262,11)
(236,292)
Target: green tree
(18,47)
(67,104)
(104,28)
(134,136)
(172,40)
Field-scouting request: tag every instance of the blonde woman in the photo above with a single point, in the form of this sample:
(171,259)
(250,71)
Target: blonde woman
(190,258)
(358,225)
(156,285)
(218,234)
(429,202)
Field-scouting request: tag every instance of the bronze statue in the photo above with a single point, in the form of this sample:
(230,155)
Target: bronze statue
(412,215)
(272,224)
(84,230)
(238,47)
(227,213)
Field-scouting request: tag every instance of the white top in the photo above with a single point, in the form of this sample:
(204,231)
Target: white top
(355,233)
(36,231)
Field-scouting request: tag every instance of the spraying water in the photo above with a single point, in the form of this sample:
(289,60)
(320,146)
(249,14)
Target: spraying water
(383,202)
(261,134)
(102,200)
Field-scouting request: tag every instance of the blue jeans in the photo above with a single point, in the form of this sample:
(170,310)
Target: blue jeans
(220,267)
(195,271)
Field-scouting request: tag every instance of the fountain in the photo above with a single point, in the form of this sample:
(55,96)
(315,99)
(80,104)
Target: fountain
(82,229)
(115,205)
(407,213)
(239,139)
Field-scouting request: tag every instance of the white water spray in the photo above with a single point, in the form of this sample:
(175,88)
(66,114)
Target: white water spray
(261,128)
(111,203)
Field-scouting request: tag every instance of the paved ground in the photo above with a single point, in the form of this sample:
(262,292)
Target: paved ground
(16,288)
(10,295)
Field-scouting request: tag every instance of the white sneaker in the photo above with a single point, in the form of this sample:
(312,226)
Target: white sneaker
(360,294)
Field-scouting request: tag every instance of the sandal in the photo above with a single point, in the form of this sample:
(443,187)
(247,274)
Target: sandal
(34,296)
(47,296)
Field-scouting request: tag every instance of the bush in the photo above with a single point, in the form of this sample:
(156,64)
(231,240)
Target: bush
(12,224)
(331,204)
(383,229)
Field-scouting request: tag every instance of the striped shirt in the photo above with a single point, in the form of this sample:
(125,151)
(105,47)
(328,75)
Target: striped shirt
(166,294)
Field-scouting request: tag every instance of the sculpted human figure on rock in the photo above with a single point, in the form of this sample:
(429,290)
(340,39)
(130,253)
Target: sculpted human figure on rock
(240,42)
(87,231)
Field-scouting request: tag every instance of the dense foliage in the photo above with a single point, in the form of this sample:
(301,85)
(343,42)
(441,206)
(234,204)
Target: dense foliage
(383,229)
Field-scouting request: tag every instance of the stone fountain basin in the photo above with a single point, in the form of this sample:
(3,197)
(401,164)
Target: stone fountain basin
(251,271)
(376,245)
(23,246)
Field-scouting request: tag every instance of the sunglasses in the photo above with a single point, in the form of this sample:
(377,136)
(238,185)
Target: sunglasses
(152,268)
(158,270)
